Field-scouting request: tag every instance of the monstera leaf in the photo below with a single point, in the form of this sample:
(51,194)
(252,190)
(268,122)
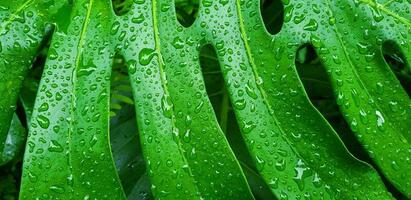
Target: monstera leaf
(283,147)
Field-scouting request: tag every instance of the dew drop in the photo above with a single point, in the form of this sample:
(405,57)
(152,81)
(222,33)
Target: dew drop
(43,121)
(55,146)
(311,26)
(145,56)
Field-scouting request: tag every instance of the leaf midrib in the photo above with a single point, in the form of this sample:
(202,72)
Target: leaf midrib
(14,14)
(354,69)
(163,78)
(74,79)
(261,89)
(386,10)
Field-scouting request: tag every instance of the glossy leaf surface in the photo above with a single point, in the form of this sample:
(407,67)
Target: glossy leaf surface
(292,146)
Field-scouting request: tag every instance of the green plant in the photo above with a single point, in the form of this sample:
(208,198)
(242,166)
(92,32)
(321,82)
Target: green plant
(228,103)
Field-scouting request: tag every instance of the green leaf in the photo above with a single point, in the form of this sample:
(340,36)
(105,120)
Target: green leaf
(187,155)
(124,137)
(356,69)
(128,155)
(28,96)
(218,95)
(14,141)
(68,154)
(21,32)
(285,165)
(186,152)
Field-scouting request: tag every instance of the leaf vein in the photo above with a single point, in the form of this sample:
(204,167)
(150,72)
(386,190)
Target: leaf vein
(387,11)
(14,14)
(165,87)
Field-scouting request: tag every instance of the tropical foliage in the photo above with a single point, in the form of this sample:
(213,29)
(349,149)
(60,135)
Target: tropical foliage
(203,99)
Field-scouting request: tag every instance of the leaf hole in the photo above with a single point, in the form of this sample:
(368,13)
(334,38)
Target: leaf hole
(187,11)
(124,137)
(122,7)
(219,98)
(394,57)
(272,13)
(317,85)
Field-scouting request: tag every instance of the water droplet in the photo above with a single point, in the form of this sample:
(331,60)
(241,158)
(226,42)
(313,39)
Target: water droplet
(146,55)
(178,43)
(115,27)
(44,107)
(280,165)
(380,119)
(248,127)
(363,116)
(260,163)
(355,96)
(301,174)
(199,107)
(273,183)
(311,26)
(240,104)
(55,146)
(53,54)
(169,163)
(86,70)
(32,177)
(376,14)
(288,13)
(362,47)
(316,41)
(132,66)
(93,140)
(250,91)
(138,19)
(316,181)
(57,189)
(186,136)
(43,121)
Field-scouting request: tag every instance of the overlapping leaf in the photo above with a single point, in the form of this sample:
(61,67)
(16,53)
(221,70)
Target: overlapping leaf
(294,148)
